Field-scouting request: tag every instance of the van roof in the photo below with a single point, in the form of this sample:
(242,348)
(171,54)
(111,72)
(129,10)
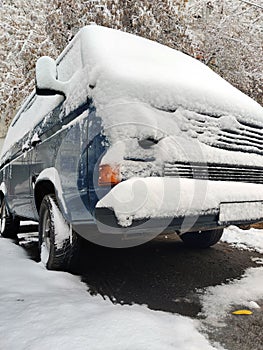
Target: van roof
(121,64)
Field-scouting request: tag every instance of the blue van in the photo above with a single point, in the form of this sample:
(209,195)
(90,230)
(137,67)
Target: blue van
(124,139)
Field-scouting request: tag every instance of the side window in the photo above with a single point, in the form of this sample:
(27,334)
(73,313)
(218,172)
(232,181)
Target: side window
(35,110)
(51,122)
(70,62)
(41,107)
(27,105)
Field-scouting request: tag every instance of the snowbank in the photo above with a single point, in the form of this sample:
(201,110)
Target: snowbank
(43,309)
(218,300)
(244,239)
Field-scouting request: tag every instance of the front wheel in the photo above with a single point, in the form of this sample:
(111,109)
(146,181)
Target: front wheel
(203,239)
(58,244)
(9,225)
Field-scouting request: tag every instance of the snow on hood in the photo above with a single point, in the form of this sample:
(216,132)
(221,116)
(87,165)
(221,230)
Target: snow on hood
(180,136)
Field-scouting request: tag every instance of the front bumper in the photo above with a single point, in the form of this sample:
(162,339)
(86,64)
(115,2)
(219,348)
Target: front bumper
(177,204)
(107,222)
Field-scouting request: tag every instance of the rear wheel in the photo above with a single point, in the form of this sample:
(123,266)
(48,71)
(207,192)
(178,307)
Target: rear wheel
(203,239)
(9,225)
(59,245)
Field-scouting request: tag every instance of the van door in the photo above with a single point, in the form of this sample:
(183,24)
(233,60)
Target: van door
(17,176)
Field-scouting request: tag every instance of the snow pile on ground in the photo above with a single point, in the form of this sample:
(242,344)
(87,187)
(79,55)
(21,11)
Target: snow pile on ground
(43,309)
(245,239)
(218,300)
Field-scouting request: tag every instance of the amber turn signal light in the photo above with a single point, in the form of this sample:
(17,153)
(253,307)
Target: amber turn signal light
(109,175)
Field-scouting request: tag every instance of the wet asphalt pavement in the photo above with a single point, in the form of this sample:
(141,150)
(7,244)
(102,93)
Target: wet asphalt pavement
(240,332)
(165,275)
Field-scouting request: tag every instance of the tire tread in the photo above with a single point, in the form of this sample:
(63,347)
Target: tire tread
(64,257)
(204,239)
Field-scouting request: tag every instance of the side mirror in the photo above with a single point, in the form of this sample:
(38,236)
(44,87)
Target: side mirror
(46,78)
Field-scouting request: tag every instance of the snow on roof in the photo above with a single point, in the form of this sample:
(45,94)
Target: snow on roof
(122,64)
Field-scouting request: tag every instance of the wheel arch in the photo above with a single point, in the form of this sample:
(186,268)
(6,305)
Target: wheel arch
(42,188)
(48,182)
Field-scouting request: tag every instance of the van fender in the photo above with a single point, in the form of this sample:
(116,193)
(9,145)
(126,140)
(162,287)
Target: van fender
(51,174)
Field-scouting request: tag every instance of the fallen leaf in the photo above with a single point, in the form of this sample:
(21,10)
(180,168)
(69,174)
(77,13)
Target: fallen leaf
(242,312)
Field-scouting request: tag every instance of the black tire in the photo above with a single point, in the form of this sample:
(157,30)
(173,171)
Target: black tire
(55,252)
(9,225)
(203,239)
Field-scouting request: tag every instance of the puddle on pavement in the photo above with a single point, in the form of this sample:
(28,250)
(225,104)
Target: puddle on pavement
(163,274)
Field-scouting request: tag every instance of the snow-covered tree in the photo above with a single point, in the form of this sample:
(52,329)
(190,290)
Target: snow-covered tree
(228,35)
(23,40)
(162,20)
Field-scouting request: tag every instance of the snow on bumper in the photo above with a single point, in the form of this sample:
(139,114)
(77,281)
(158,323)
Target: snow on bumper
(157,197)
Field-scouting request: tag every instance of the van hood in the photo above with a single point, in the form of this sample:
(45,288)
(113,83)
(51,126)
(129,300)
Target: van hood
(140,134)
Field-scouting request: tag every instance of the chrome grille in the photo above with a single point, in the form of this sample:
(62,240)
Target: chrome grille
(215,172)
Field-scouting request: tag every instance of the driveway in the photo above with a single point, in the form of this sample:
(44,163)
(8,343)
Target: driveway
(167,276)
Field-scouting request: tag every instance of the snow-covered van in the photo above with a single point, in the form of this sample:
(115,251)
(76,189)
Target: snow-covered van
(124,139)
